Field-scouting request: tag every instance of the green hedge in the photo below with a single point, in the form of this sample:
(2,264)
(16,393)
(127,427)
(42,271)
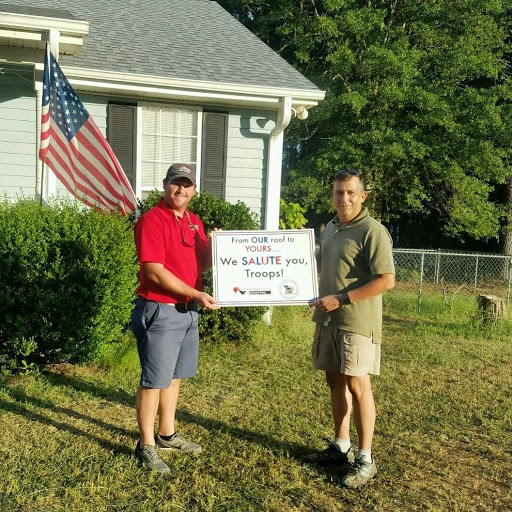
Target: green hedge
(67,281)
(214,212)
(69,275)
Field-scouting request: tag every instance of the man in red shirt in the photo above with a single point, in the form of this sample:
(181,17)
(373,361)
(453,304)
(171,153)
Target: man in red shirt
(173,251)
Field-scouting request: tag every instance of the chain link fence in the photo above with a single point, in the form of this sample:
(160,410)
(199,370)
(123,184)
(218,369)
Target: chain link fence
(427,280)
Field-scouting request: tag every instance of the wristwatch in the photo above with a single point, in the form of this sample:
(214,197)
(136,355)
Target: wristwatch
(345,299)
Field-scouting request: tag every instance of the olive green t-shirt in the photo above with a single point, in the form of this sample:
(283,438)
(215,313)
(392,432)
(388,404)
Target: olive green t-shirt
(351,256)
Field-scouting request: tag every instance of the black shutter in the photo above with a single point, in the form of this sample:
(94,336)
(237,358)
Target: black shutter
(213,154)
(121,137)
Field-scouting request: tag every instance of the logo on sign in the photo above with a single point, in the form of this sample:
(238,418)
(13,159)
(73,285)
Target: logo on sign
(288,289)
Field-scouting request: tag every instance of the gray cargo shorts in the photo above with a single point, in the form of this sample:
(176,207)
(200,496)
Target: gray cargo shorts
(167,342)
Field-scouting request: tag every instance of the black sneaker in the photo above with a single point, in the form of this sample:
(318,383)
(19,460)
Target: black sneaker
(331,456)
(360,473)
(148,458)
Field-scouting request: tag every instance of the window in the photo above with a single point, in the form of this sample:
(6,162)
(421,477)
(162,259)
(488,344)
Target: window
(168,135)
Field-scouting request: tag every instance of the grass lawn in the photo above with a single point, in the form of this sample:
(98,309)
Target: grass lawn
(443,439)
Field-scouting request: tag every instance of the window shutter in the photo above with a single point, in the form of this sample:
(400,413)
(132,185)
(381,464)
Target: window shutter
(121,137)
(213,165)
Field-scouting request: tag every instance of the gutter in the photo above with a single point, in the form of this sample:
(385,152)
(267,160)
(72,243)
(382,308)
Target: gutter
(275,164)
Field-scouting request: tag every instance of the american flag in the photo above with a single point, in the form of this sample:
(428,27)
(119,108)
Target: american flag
(75,149)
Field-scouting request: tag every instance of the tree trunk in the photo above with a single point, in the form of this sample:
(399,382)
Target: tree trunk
(492,307)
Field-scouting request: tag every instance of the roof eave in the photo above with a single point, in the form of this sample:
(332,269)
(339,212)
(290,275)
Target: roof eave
(29,31)
(109,82)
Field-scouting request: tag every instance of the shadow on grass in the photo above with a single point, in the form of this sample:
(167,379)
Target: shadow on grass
(291,450)
(19,409)
(401,322)
(120,396)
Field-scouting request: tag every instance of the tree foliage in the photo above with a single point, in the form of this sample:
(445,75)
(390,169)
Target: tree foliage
(418,98)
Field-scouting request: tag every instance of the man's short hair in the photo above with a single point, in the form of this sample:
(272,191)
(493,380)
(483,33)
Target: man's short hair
(346,174)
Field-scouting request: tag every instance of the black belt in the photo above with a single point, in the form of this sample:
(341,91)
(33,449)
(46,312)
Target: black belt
(184,306)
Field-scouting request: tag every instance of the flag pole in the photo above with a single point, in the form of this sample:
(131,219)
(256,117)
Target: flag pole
(43,164)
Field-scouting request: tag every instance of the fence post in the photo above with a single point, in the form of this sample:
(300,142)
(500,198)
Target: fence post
(476,271)
(438,264)
(509,279)
(421,281)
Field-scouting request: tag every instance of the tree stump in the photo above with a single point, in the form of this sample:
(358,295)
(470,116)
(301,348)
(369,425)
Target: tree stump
(492,307)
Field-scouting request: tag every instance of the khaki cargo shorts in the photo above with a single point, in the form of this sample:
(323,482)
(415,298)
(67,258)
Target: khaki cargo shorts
(346,352)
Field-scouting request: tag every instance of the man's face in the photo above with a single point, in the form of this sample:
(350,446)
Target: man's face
(178,193)
(348,197)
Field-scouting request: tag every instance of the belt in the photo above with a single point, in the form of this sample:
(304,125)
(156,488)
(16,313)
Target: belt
(184,306)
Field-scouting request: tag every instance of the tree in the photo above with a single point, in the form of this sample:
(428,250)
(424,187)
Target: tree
(418,97)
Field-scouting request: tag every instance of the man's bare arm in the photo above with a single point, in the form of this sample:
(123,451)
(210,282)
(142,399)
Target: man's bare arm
(157,273)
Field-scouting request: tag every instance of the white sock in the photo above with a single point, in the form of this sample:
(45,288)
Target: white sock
(366,455)
(342,444)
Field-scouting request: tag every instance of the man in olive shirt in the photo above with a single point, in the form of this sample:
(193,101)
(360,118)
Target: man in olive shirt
(356,267)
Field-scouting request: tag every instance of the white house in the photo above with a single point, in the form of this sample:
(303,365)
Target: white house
(167,81)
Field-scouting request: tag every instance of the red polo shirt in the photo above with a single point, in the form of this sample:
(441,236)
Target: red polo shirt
(179,244)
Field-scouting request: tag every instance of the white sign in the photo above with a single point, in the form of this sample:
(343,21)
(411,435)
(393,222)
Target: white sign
(253,268)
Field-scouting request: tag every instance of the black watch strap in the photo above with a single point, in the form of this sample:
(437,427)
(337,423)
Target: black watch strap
(346,299)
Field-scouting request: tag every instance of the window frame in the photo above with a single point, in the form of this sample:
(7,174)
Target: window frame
(139,190)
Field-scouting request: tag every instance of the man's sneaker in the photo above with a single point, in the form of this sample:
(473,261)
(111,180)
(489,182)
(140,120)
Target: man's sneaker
(178,443)
(360,473)
(331,456)
(148,457)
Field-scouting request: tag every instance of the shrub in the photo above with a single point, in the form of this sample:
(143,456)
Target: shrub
(226,323)
(67,281)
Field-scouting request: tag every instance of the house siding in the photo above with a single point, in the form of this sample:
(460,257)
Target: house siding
(17,132)
(247,154)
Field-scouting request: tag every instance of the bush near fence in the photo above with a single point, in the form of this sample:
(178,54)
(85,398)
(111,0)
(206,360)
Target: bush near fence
(67,282)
